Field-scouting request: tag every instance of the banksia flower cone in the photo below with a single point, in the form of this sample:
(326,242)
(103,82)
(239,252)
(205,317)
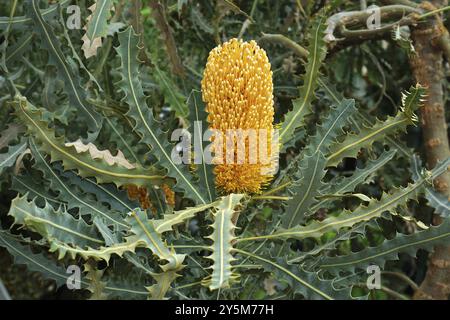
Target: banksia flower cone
(238,91)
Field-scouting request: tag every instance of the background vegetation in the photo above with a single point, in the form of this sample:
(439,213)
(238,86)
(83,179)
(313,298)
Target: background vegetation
(59,85)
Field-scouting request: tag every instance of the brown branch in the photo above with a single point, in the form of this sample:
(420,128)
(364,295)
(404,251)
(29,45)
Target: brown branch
(343,27)
(402,12)
(403,2)
(367,34)
(444,43)
(340,22)
(279,38)
(159,13)
(428,69)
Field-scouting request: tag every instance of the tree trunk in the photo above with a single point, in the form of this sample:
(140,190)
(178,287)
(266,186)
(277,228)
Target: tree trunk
(427,66)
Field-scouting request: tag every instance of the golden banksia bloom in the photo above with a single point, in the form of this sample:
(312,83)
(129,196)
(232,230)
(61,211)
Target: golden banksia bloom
(238,91)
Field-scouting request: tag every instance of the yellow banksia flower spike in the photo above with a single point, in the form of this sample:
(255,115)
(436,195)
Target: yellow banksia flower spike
(237,88)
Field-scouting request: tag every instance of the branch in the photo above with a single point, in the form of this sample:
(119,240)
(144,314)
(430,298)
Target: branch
(285,41)
(403,2)
(159,13)
(339,23)
(428,69)
(444,43)
(405,14)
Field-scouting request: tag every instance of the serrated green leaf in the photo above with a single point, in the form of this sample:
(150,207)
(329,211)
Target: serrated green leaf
(113,239)
(308,284)
(98,253)
(82,162)
(144,232)
(302,105)
(347,184)
(74,52)
(9,158)
(20,22)
(375,208)
(368,135)
(145,123)
(163,282)
(198,18)
(116,199)
(10,134)
(436,200)
(305,190)
(73,198)
(16,51)
(223,238)
(177,217)
(96,285)
(362,117)
(312,165)
(76,94)
(390,249)
(51,223)
(331,127)
(172,94)
(34,261)
(205,171)
(341,185)
(98,24)
(439,202)
(51,270)
(27,184)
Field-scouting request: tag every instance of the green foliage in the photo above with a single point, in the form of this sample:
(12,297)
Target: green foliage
(223,238)
(9,158)
(94,184)
(81,161)
(76,95)
(146,125)
(98,24)
(302,106)
(390,249)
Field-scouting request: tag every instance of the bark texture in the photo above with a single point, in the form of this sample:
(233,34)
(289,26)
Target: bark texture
(428,69)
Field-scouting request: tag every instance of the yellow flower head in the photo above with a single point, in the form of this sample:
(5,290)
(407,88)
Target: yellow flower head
(238,90)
